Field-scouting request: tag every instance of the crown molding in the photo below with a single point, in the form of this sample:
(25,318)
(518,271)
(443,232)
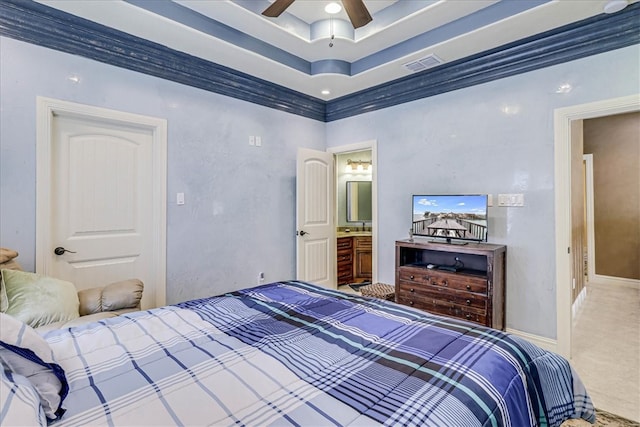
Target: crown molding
(41,25)
(591,36)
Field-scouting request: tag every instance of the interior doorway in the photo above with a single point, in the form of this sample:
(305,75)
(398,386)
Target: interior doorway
(597,339)
(565,175)
(101,197)
(356,212)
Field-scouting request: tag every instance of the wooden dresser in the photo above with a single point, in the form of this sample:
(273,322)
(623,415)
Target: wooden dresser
(354,259)
(475,291)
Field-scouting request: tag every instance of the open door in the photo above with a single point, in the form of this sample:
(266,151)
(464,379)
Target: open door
(315,226)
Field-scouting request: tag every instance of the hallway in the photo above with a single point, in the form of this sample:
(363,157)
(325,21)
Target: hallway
(606,348)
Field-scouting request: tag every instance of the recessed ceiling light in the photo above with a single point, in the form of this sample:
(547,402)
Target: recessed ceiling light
(614,6)
(332,8)
(326,92)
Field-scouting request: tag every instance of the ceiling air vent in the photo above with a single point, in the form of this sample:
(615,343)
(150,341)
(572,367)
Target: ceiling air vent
(423,63)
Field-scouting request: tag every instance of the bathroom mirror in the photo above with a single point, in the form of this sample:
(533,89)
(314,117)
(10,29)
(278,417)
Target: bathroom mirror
(358,201)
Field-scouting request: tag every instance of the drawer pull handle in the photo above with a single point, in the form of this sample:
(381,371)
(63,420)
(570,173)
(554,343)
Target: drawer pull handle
(444,283)
(412,290)
(411,277)
(468,302)
(410,302)
(468,316)
(468,287)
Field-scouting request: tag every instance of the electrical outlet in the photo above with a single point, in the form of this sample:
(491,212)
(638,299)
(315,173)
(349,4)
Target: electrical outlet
(260,278)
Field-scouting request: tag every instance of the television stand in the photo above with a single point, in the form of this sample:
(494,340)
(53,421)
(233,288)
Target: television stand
(461,281)
(450,241)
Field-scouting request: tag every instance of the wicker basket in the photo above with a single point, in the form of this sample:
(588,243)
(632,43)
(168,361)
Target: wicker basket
(379,290)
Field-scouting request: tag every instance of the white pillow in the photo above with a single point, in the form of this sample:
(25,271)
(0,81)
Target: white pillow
(36,299)
(19,401)
(24,352)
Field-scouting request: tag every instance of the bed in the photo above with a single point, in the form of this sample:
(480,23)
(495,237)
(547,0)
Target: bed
(290,353)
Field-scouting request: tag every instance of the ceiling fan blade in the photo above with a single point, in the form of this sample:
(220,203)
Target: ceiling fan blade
(358,13)
(277,7)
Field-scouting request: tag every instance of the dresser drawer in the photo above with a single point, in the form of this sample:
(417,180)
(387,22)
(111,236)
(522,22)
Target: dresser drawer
(345,277)
(461,282)
(362,242)
(344,243)
(344,257)
(345,274)
(462,313)
(443,307)
(448,297)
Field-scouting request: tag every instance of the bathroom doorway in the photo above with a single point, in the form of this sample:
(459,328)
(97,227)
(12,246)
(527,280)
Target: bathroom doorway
(356,214)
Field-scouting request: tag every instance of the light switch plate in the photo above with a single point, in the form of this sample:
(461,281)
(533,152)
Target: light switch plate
(180,199)
(511,199)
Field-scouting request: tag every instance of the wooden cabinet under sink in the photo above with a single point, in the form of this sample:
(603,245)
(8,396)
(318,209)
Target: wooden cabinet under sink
(345,260)
(354,259)
(362,261)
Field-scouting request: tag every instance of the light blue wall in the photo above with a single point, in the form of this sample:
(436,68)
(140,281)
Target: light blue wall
(461,141)
(464,142)
(239,213)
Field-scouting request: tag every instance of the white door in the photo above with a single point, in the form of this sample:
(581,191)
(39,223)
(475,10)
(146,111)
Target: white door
(316,233)
(102,205)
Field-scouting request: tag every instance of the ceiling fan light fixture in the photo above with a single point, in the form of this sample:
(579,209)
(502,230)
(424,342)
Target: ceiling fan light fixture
(355,9)
(332,8)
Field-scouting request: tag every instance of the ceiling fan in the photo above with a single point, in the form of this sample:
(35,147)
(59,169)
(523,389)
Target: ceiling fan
(356,10)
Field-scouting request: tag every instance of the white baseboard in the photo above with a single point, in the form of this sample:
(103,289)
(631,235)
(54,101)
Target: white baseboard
(616,281)
(577,304)
(543,342)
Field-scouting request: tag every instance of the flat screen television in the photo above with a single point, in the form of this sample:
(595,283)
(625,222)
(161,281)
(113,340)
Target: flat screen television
(450,218)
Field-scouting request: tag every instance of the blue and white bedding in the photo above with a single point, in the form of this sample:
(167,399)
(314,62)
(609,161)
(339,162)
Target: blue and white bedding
(292,353)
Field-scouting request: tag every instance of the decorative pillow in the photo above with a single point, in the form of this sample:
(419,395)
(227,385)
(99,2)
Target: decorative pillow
(19,401)
(4,304)
(38,300)
(24,352)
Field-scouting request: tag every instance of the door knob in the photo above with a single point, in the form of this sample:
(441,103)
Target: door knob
(60,251)
(302,232)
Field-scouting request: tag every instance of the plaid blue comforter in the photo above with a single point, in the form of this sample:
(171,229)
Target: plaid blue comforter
(292,353)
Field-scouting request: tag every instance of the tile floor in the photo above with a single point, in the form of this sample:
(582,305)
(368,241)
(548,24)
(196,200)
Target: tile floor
(347,289)
(606,348)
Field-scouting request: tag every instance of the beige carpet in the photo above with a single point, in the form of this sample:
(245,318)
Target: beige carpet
(603,419)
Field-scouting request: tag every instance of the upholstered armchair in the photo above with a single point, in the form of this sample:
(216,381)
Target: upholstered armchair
(46,303)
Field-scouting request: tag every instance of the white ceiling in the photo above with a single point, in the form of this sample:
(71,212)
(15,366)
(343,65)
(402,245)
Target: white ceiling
(293,49)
